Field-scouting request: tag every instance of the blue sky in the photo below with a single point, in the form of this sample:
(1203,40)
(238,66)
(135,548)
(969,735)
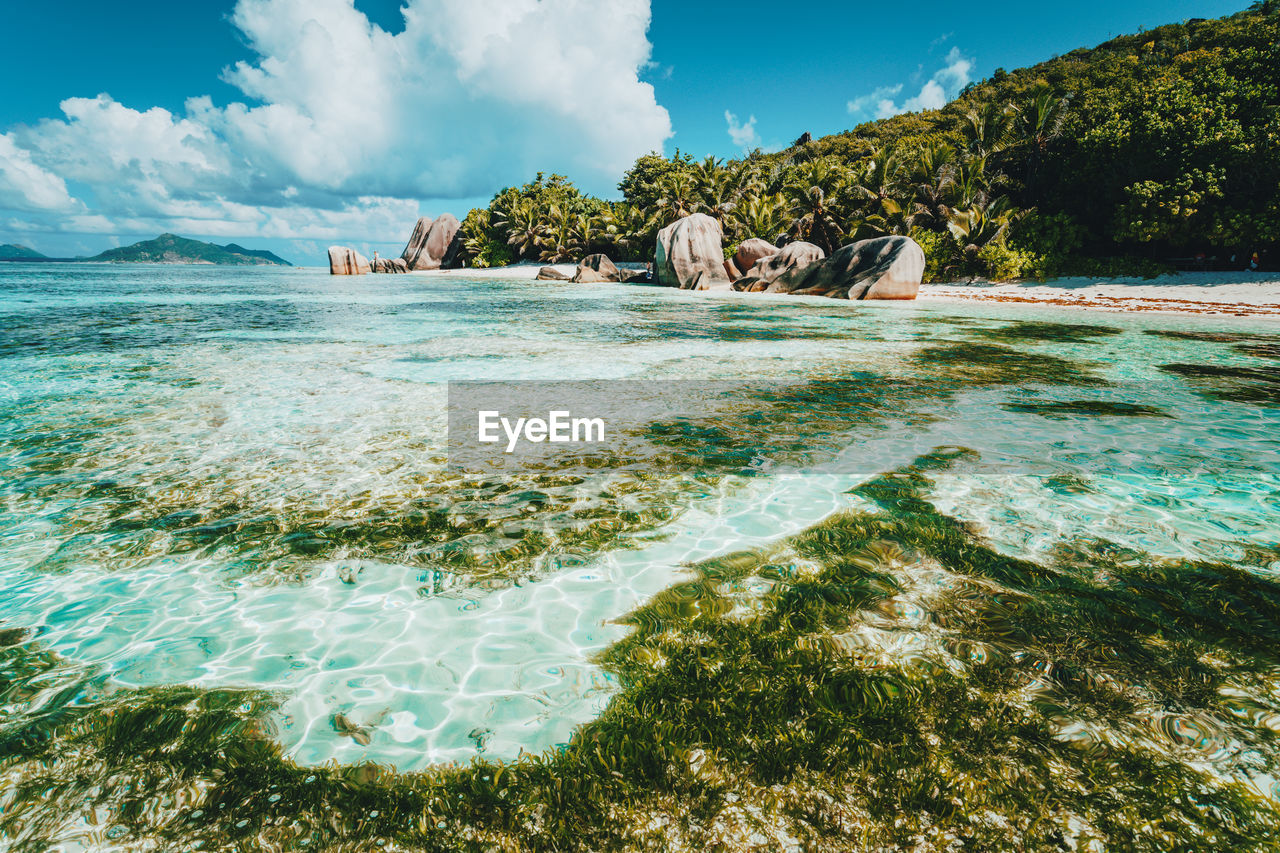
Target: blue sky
(292,124)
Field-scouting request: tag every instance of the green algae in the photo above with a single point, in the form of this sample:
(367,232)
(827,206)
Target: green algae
(1044,332)
(768,701)
(1084,408)
(1231,383)
(991,364)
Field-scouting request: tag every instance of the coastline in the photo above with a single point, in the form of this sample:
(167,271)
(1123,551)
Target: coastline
(1211,293)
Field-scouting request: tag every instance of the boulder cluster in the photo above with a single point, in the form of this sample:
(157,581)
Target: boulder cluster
(594,268)
(689,256)
(433,245)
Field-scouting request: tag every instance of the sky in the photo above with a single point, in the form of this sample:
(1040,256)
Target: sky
(295,124)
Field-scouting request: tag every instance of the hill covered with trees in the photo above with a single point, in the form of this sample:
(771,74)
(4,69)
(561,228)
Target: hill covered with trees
(172,249)
(1116,159)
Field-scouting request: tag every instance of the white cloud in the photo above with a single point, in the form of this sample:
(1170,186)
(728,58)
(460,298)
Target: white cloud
(345,127)
(874,103)
(743,135)
(945,84)
(26,186)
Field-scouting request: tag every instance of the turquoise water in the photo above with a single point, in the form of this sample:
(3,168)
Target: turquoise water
(235,479)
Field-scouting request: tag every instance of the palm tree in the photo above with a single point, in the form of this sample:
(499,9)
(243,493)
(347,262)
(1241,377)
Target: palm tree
(932,172)
(988,130)
(881,178)
(525,229)
(763,216)
(556,235)
(983,223)
(678,198)
(1041,124)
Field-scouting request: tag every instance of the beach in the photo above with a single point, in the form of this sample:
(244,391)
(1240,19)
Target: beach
(1239,294)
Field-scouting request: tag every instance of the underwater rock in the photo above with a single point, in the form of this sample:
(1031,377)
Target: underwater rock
(551,274)
(433,245)
(344,261)
(782,271)
(596,268)
(881,268)
(689,255)
(749,252)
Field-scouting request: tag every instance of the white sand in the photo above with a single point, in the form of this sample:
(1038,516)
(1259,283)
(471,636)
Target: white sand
(1253,294)
(1234,293)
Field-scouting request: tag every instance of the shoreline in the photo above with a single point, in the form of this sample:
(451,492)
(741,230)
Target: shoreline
(1196,293)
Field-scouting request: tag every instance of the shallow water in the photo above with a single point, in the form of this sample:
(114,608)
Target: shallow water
(229,479)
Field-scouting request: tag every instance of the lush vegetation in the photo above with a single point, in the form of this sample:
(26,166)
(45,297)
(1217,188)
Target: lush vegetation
(1150,147)
(172,249)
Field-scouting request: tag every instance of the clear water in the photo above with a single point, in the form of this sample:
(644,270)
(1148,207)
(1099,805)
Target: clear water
(231,478)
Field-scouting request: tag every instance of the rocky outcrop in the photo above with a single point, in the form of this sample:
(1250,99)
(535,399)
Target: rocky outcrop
(551,274)
(417,241)
(389,265)
(434,244)
(689,255)
(634,276)
(731,270)
(750,251)
(596,268)
(782,271)
(344,261)
(882,268)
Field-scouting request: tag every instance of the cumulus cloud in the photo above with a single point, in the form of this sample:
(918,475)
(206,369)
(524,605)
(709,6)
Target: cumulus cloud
(743,134)
(26,186)
(346,126)
(945,84)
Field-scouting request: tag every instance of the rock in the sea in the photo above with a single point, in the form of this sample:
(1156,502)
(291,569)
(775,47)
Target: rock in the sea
(731,270)
(433,244)
(551,274)
(689,255)
(882,268)
(344,261)
(634,276)
(782,271)
(389,265)
(596,268)
(750,251)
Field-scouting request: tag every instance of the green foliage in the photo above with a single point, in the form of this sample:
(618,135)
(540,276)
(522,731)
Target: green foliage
(1101,162)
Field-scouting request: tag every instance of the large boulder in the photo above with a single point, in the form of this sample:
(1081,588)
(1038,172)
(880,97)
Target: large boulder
(750,251)
(417,241)
(389,265)
(690,255)
(782,271)
(882,268)
(434,244)
(596,268)
(551,274)
(344,261)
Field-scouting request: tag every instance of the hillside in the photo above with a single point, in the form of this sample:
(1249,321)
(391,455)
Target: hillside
(1148,152)
(12,252)
(172,249)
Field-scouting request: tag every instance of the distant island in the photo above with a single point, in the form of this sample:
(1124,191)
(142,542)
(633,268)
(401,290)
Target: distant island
(165,249)
(13,252)
(172,249)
